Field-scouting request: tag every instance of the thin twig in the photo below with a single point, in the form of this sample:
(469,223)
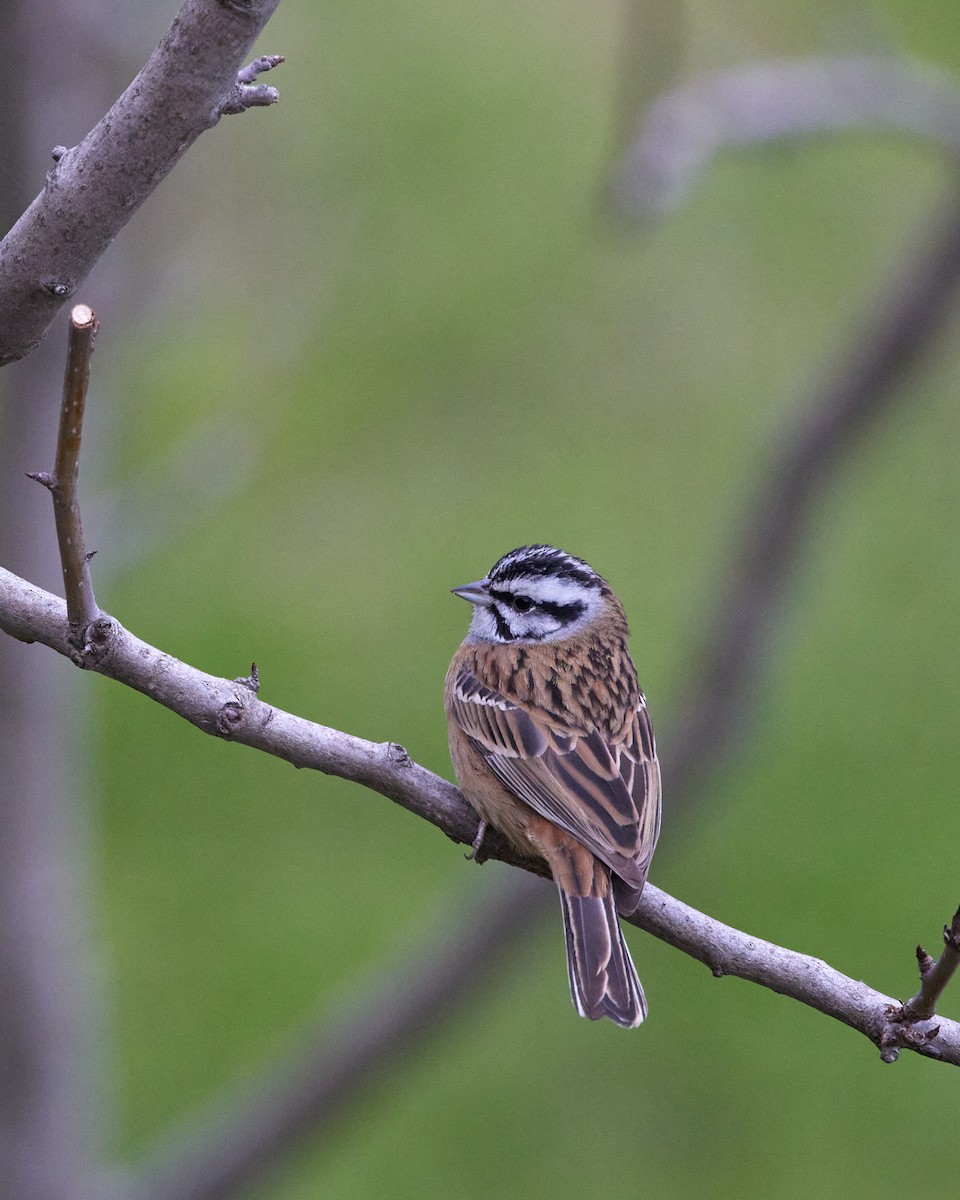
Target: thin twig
(63,484)
(230,709)
(934,976)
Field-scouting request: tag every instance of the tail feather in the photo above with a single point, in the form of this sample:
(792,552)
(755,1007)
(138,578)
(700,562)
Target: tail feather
(603,979)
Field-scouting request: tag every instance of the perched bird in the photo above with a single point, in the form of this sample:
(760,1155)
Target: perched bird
(552,745)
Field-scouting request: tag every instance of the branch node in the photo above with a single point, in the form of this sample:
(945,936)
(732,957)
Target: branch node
(61,288)
(252,681)
(900,1033)
(92,642)
(229,717)
(398,754)
(44,477)
(924,961)
(245,93)
(50,178)
(100,632)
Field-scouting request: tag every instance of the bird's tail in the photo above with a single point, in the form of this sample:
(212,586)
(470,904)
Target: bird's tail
(603,979)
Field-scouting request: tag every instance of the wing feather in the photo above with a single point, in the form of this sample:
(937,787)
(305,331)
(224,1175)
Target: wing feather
(605,792)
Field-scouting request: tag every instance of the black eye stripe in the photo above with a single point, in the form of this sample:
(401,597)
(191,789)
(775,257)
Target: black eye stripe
(562,613)
(509,598)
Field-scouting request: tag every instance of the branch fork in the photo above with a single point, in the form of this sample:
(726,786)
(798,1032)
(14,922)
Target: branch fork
(934,976)
(245,93)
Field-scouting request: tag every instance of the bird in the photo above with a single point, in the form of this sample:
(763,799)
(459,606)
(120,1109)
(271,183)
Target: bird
(553,747)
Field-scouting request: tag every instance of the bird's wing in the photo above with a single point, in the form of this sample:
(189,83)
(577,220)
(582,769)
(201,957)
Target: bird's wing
(604,792)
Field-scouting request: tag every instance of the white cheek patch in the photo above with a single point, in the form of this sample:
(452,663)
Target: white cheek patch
(551,630)
(483,626)
(536,626)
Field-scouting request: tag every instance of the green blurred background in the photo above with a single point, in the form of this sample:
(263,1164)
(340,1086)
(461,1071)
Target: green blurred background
(385,334)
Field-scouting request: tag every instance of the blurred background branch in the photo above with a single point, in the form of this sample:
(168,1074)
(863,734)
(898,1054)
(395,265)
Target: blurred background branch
(761,102)
(886,343)
(52,1087)
(362,1040)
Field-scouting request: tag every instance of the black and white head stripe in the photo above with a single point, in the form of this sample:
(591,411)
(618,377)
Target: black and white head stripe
(534,594)
(529,562)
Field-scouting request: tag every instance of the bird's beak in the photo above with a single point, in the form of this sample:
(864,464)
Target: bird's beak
(476,593)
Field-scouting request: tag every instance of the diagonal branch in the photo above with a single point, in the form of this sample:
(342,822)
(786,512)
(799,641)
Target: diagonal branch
(230,709)
(192,78)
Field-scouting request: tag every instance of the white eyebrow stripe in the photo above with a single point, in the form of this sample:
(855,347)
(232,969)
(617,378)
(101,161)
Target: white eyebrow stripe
(547,588)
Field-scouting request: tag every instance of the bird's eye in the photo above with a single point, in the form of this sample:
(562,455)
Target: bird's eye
(522,604)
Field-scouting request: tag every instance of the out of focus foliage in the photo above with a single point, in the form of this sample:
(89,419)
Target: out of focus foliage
(387,332)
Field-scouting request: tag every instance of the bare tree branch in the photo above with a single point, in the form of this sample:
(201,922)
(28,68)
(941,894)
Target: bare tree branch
(230,709)
(191,79)
(727,951)
(763,101)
